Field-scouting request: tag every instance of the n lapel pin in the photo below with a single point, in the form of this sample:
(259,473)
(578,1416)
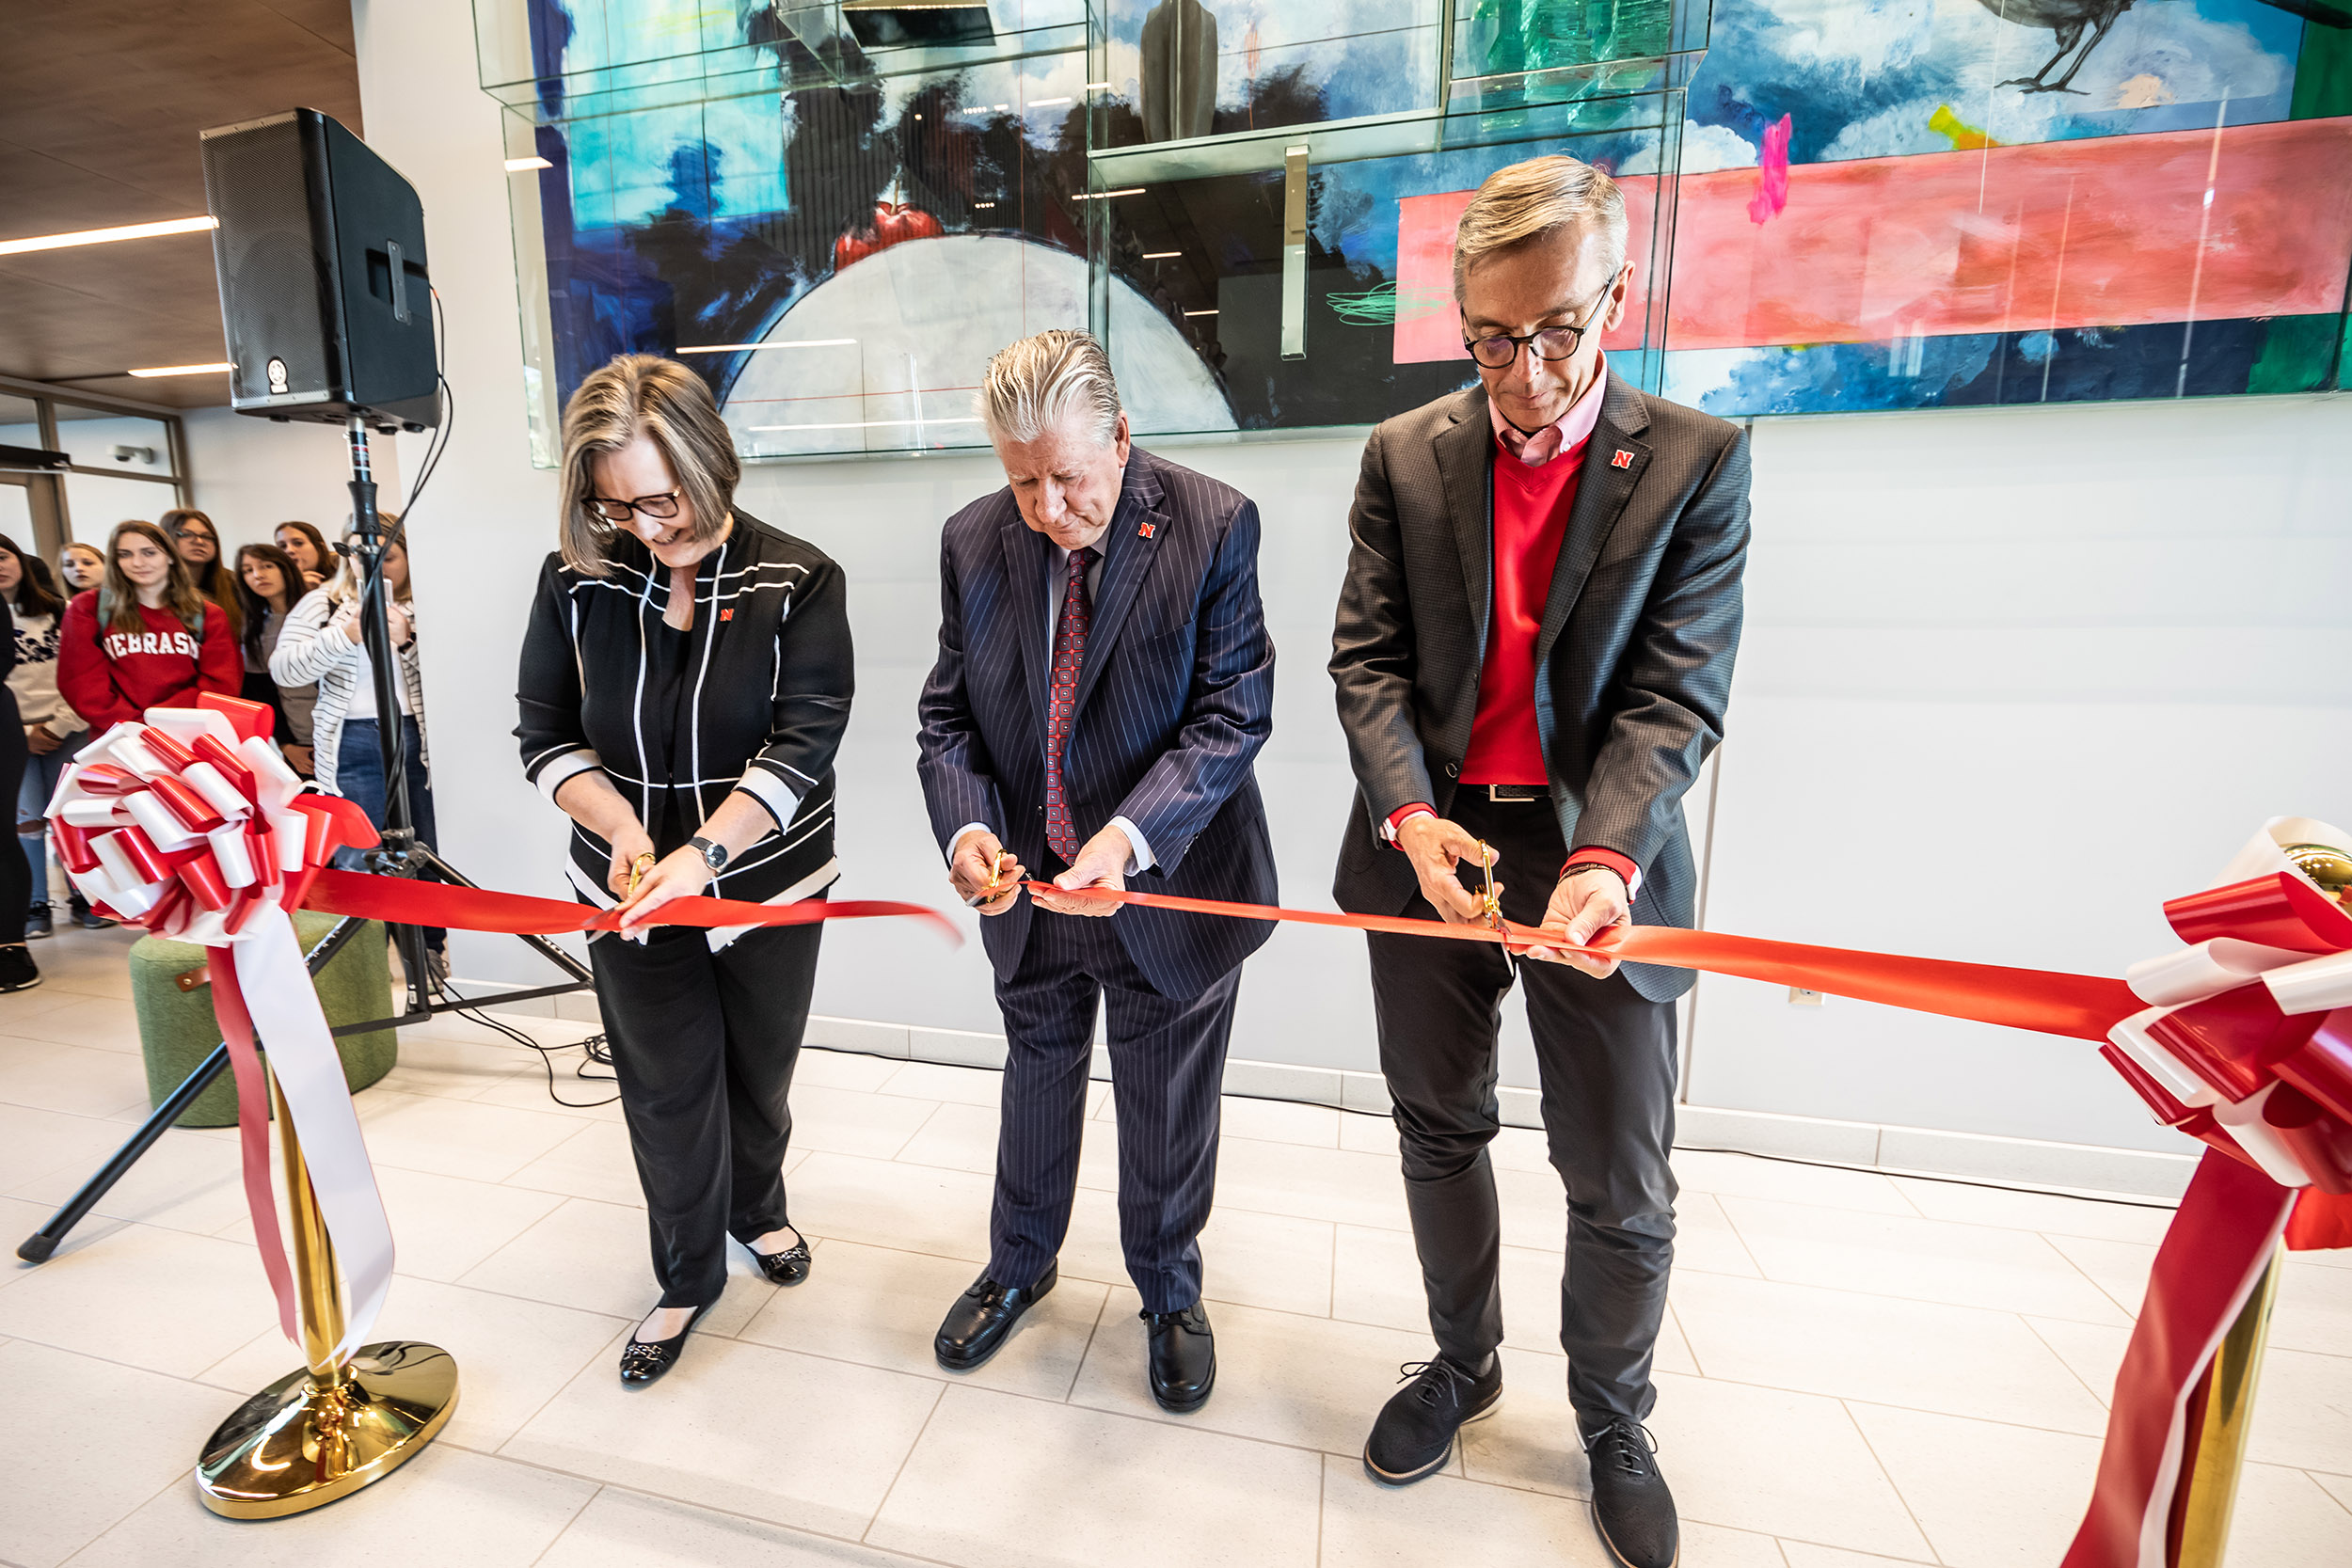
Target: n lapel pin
(1144,530)
(1624,459)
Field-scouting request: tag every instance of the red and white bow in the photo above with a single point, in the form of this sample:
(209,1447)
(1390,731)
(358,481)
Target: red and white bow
(189,824)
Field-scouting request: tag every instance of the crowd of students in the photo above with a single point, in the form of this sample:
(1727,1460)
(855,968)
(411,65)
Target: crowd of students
(157,617)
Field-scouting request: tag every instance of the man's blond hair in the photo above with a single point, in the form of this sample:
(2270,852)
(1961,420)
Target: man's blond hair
(1529,201)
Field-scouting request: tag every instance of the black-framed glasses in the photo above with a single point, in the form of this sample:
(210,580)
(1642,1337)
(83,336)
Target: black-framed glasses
(662,506)
(1497,350)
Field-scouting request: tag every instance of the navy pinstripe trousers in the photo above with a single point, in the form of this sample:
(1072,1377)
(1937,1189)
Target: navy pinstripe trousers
(1168,1061)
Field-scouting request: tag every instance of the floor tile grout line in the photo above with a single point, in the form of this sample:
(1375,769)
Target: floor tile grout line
(1078,1368)
(916,1130)
(1935,1553)
(2027,1319)
(555,1540)
(1322,1494)
(904,1459)
(722,1510)
(179,1479)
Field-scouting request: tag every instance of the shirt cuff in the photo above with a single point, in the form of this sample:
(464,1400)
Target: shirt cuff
(557,771)
(1623,865)
(1403,815)
(771,793)
(960,835)
(1140,860)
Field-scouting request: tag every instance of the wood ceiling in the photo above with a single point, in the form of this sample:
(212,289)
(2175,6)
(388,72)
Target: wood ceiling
(100,102)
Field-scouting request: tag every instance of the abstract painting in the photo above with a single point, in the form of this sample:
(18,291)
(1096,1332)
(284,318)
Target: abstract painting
(1873,204)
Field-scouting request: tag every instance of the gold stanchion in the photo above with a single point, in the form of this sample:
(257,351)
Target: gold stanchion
(334,1426)
(2211,1493)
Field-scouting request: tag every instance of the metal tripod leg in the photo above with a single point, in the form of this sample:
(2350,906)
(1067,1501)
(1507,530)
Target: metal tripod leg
(37,1247)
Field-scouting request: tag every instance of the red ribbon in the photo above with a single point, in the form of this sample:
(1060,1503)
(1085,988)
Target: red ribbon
(410,903)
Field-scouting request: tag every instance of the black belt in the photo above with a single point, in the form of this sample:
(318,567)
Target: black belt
(1515,792)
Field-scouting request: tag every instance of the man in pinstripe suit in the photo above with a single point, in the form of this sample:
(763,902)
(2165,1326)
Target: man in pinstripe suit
(1104,682)
(1534,655)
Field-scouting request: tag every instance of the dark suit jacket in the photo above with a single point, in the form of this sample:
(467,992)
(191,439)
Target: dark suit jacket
(1175,698)
(1633,659)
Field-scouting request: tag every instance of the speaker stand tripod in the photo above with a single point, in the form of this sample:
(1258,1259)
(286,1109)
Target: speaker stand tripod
(402,853)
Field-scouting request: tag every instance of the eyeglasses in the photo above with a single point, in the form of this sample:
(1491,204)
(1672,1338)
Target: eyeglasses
(1551,342)
(195,533)
(662,506)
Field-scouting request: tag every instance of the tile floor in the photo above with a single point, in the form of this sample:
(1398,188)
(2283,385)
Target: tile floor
(1858,1369)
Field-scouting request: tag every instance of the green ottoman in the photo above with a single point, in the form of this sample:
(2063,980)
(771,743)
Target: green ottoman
(177,1030)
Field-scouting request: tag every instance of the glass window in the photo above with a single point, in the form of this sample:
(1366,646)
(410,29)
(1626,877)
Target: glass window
(20,423)
(96,439)
(96,502)
(16,513)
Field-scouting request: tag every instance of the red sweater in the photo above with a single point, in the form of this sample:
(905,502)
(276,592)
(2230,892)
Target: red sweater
(108,676)
(1531,518)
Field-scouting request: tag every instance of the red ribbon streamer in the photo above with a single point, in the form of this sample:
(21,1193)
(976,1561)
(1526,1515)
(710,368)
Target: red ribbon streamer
(404,902)
(236,1031)
(2083,1007)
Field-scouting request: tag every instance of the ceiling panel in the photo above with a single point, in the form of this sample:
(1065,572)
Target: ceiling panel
(98,127)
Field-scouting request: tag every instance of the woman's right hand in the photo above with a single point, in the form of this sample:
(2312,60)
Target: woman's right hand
(41,740)
(627,846)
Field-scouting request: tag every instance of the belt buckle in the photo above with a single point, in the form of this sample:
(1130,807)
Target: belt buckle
(1514,794)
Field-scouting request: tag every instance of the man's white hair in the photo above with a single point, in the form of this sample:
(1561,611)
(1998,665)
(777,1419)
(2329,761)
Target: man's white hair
(1032,386)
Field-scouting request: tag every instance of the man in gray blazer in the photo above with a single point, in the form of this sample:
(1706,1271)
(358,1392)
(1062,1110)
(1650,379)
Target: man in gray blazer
(1534,653)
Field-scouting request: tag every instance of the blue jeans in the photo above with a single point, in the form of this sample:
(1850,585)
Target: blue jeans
(359,777)
(32,799)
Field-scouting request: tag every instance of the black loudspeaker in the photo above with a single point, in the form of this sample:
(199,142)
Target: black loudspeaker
(320,251)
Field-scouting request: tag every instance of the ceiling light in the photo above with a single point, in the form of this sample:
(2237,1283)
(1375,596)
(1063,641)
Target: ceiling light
(184,369)
(1161,255)
(1047,103)
(1098,86)
(779,342)
(107,236)
(1200,312)
(1104,196)
(517,165)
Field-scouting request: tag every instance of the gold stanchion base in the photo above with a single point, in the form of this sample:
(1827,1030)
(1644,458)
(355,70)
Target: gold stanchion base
(295,1445)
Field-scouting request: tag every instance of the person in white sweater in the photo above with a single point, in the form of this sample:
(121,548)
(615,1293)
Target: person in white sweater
(321,644)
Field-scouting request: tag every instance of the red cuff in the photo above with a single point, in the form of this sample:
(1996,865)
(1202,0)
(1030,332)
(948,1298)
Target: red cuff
(1623,866)
(1396,817)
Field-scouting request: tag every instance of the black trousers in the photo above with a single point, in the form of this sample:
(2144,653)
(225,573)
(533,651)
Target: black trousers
(704,1044)
(1168,1061)
(16,872)
(1605,1056)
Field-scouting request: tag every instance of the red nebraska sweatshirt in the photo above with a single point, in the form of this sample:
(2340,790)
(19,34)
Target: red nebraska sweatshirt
(107,676)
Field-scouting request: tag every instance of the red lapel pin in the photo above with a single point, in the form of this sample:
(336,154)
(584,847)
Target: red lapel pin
(727,614)
(1145,530)
(1623,460)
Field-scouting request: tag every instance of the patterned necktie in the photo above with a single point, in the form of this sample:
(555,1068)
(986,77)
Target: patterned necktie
(1070,646)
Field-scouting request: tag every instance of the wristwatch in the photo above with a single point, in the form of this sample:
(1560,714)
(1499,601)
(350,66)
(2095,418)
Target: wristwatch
(714,855)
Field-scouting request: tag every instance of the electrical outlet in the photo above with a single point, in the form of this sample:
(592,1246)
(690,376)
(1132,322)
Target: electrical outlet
(1799,997)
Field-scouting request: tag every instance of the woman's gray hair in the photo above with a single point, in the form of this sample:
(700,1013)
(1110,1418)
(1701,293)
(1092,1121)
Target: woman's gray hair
(633,395)
(1527,201)
(1031,387)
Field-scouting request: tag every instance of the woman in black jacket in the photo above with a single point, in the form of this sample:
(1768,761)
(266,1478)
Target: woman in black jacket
(685,682)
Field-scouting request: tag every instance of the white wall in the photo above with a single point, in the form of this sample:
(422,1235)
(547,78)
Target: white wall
(249,475)
(2012,677)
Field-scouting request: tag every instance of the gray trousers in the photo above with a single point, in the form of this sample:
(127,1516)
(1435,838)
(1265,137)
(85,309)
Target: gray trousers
(1605,1055)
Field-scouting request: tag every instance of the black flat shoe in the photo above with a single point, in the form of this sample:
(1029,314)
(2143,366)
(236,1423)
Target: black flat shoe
(17,970)
(1631,1506)
(788,1267)
(1181,1351)
(1414,1435)
(87,918)
(649,1360)
(979,1324)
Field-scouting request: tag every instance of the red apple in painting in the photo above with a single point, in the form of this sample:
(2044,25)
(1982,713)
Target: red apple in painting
(893,225)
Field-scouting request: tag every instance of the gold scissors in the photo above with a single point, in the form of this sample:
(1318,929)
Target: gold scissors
(637,869)
(992,888)
(1490,901)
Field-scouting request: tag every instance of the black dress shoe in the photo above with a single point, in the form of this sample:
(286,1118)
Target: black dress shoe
(1631,1506)
(17,970)
(1182,1355)
(788,1267)
(1414,1435)
(647,1360)
(977,1325)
